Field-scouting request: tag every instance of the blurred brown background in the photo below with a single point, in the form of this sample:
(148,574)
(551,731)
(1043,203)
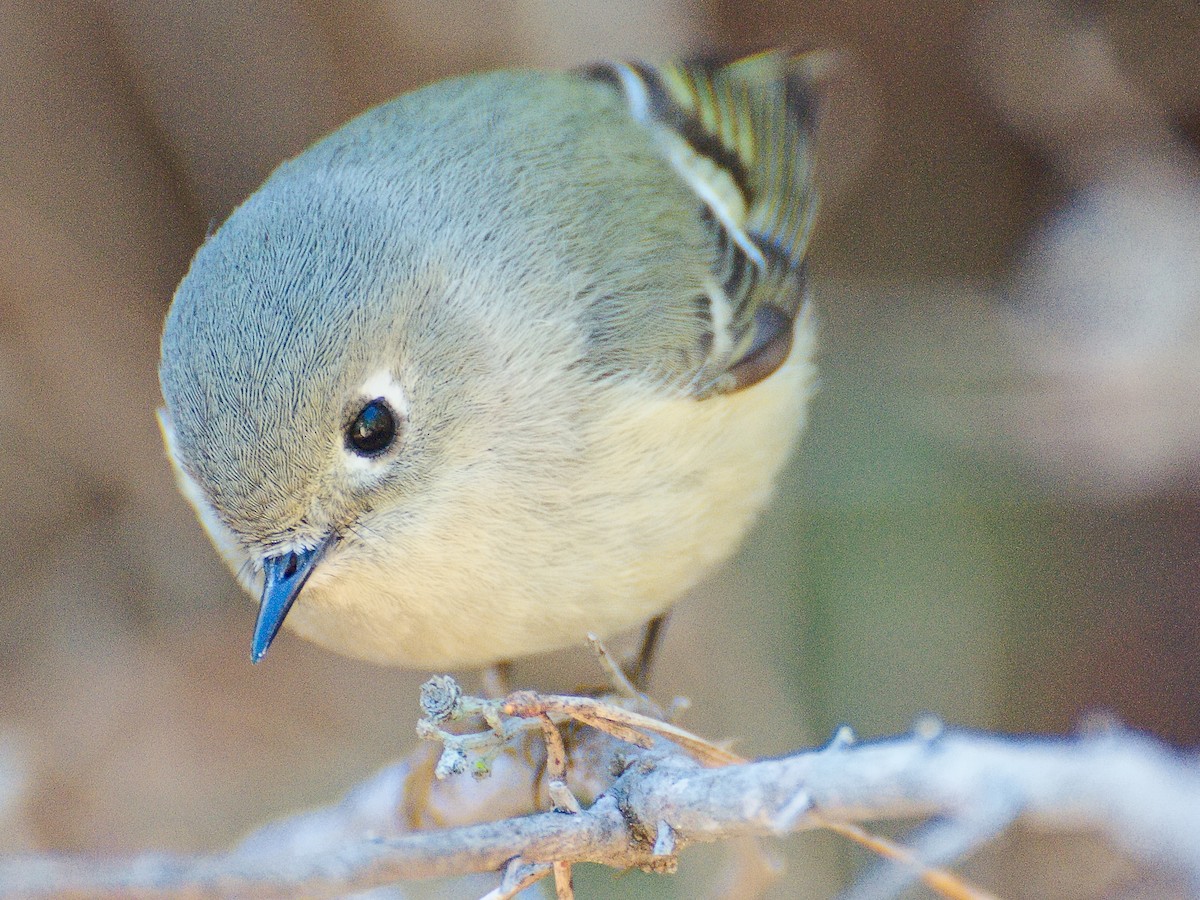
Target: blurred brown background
(993,518)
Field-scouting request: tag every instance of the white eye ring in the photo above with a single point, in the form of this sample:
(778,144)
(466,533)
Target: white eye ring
(383,386)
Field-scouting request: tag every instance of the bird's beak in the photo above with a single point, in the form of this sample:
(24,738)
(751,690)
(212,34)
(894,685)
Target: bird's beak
(284,576)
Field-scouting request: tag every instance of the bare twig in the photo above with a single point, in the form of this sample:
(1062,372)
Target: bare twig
(644,806)
(946,884)
(516,877)
(556,769)
(616,675)
(624,724)
(564,886)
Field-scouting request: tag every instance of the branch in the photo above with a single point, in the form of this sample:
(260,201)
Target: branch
(646,804)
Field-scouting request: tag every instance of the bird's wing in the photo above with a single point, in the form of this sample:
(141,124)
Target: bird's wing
(740,135)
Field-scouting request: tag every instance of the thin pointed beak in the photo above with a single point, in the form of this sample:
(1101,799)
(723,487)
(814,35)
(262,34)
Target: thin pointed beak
(284,576)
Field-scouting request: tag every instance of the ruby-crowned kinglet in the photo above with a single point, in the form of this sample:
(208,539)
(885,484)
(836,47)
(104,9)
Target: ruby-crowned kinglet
(513,358)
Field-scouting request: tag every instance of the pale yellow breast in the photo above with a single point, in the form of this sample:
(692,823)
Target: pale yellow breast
(502,566)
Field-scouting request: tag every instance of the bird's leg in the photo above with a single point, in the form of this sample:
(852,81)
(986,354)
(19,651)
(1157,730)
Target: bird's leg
(497,679)
(639,669)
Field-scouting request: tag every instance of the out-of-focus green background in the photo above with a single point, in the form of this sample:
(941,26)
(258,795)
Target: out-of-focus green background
(993,518)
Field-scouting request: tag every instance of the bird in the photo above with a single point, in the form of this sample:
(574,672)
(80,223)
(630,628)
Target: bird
(512,359)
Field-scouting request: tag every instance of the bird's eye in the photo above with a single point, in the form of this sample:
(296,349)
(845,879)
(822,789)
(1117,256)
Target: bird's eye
(373,430)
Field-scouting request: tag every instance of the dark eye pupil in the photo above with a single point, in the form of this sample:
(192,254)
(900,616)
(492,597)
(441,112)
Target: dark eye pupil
(373,430)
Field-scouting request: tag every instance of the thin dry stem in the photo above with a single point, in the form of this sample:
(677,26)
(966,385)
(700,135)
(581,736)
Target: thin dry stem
(621,723)
(946,884)
(516,877)
(617,678)
(564,884)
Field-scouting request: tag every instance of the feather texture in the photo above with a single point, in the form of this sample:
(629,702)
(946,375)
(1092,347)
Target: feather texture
(740,135)
(539,273)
